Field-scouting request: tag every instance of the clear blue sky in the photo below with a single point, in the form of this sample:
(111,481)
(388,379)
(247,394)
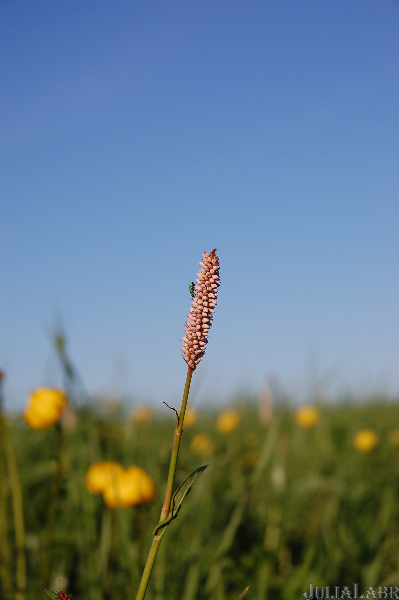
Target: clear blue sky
(138,134)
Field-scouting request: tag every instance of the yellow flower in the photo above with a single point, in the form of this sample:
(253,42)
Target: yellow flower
(143,413)
(44,407)
(228,421)
(307,416)
(250,458)
(129,487)
(393,437)
(100,475)
(202,445)
(365,440)
(190,417)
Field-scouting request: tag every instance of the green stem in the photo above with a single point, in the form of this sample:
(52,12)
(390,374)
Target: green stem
(19,523)
(168,493)
(52,511)
(5,550)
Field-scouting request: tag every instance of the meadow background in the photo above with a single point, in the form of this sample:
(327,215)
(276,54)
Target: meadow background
(279,506)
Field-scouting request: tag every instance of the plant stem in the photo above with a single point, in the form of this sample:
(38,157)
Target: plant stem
(52,510)
(168,493)
(5,550)
(19,523)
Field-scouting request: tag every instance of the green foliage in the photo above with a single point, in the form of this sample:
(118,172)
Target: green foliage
(179,496)
(277,508)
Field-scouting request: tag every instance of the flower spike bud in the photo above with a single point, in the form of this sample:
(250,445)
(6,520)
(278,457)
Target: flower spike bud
(202,308)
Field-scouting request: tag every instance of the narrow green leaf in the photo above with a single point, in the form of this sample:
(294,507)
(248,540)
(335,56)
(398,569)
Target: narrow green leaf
(243,593)
(184,489)
(178,498)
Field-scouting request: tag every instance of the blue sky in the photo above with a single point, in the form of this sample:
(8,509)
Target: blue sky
(136,135)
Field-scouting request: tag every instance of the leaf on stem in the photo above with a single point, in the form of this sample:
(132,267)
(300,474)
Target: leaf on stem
(184,489)
(178,498)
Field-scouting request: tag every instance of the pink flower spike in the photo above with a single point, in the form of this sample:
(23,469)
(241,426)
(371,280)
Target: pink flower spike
(202,308)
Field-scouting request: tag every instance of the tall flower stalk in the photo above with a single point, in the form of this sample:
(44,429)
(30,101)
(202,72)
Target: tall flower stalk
(193,349)
(202,309)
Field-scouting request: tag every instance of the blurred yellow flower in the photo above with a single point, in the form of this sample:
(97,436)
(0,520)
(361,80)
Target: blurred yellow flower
(250,458)
(100,475)
(190,417)
(307,416)
(44,407)
(130,487)
(143,413)
(393,437)
(228,421)
(365,440)
(202,445)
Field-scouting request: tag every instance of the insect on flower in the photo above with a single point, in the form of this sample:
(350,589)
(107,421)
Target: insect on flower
(202,308)
(191,286)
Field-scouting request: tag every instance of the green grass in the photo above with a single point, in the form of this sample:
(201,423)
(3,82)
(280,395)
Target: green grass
(311,509)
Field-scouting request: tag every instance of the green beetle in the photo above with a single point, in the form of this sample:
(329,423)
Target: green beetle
(191,287)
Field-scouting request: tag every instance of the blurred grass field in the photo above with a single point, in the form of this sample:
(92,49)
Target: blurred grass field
(278,507)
